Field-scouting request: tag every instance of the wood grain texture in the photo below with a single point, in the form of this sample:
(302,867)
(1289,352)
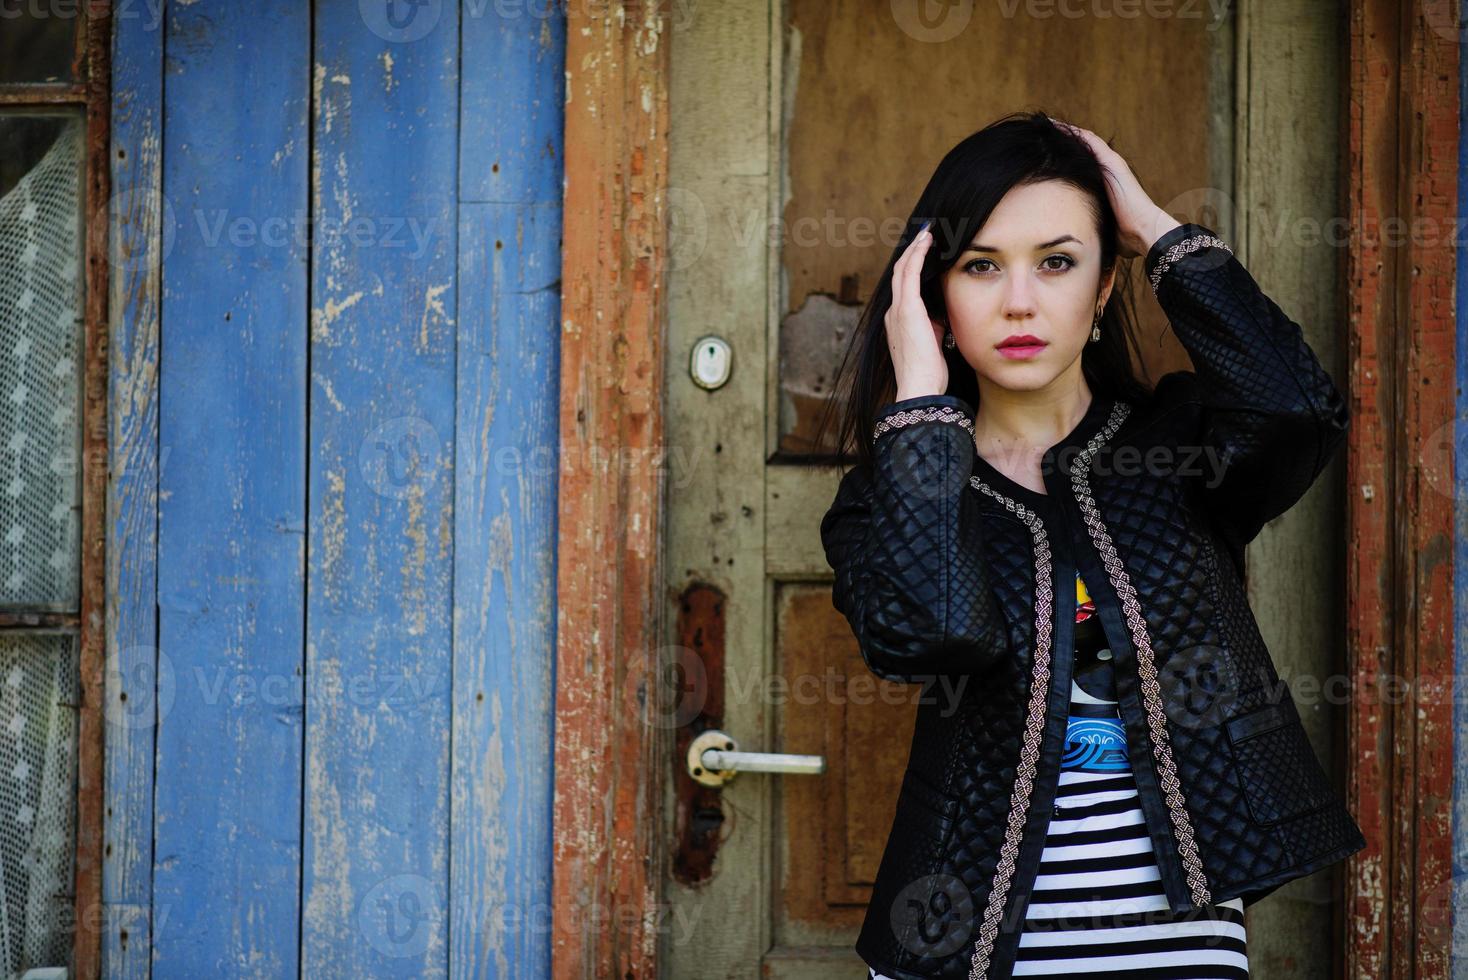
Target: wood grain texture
(1402,152)
(1371,269)
(94,48)
(135,256)
(723,184)
(1451,458)
(508,374)
(834,828)
(232,432)
(379,643)
(1290,83)
(610,764)
(417,393)
(1426,403)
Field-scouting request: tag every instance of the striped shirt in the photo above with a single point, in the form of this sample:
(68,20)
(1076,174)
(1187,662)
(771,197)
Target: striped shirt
(1097,906)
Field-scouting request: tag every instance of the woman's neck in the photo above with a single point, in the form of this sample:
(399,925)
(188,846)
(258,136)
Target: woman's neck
(1013,428)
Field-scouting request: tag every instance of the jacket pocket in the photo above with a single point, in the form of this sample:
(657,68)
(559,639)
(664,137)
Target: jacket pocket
(1276,767)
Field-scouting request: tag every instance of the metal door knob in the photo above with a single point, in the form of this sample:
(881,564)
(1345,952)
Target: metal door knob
(714,759)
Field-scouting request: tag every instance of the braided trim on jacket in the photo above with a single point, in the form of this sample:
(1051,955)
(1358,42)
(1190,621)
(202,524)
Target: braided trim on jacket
(1190,244)
(931,413)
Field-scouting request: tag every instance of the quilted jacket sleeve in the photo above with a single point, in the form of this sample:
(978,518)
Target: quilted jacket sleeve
(902,538)
(1271,416)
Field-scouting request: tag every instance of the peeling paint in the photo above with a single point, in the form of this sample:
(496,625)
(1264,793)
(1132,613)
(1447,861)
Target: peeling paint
(432,304)
(322,317)
(332,539)
(325,384)
(388,82)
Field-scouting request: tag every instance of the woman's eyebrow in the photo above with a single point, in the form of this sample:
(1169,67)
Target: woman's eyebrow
(1043,245)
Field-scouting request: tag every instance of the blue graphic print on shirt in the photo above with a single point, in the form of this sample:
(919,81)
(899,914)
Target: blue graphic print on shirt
(1094,738)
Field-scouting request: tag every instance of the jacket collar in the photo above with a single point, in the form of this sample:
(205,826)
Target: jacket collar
(1055,463)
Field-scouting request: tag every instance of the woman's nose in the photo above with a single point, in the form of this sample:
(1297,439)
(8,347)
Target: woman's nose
(1019,296)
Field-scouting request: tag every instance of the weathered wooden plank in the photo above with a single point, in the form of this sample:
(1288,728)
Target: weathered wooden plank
(513,89)
(610,765)
(504,588)
(726,512)
(508,325)
(1371,121)
(1451,456)
(232,434)
(135,254)
(94,50)
(1285,186)
(1423,724)
(381,478)
(1402,150)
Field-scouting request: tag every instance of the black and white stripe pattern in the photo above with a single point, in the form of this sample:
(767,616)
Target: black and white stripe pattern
(1097,906)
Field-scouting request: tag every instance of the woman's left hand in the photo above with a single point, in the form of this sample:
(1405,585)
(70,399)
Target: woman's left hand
(1140,221)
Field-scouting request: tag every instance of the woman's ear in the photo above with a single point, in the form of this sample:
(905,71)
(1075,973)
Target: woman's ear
(1107,282)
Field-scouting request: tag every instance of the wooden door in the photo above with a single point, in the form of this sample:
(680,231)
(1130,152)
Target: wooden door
(801,135)
(330,613)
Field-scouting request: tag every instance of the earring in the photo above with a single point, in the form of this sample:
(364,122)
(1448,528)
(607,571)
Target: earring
(1096,327)
(949,341)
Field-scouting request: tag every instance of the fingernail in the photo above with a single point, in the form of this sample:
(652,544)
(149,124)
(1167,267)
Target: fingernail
(925,226)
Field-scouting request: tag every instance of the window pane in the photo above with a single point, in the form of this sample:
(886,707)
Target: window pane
(38,697)
(40,341)
(37,41)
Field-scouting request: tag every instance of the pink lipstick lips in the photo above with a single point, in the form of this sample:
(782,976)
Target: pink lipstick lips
(1020,346)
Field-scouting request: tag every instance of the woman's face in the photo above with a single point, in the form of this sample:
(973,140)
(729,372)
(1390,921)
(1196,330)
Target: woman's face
(1033,269)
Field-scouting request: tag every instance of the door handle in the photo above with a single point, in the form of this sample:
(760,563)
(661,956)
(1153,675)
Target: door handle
(714,759)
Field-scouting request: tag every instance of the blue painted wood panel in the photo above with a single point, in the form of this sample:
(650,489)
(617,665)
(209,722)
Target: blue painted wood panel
(134,249)
(380,590)
(514,92)
(350,459)
(232,432)
(511,136)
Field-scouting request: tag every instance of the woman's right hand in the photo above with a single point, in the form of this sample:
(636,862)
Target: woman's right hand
(914,339)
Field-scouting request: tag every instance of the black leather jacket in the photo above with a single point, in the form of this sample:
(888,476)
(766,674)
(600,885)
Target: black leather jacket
(955,577)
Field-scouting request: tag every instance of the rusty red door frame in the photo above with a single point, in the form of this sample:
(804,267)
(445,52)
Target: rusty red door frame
(610,766)
(1402,154)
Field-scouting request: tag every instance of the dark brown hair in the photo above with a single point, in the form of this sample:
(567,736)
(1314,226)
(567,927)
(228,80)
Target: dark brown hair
(1017,149)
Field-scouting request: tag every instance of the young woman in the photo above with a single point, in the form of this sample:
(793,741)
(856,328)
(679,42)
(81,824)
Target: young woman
(1106,768)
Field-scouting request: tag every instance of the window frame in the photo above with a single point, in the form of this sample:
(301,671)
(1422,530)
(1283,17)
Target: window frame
(90,93)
